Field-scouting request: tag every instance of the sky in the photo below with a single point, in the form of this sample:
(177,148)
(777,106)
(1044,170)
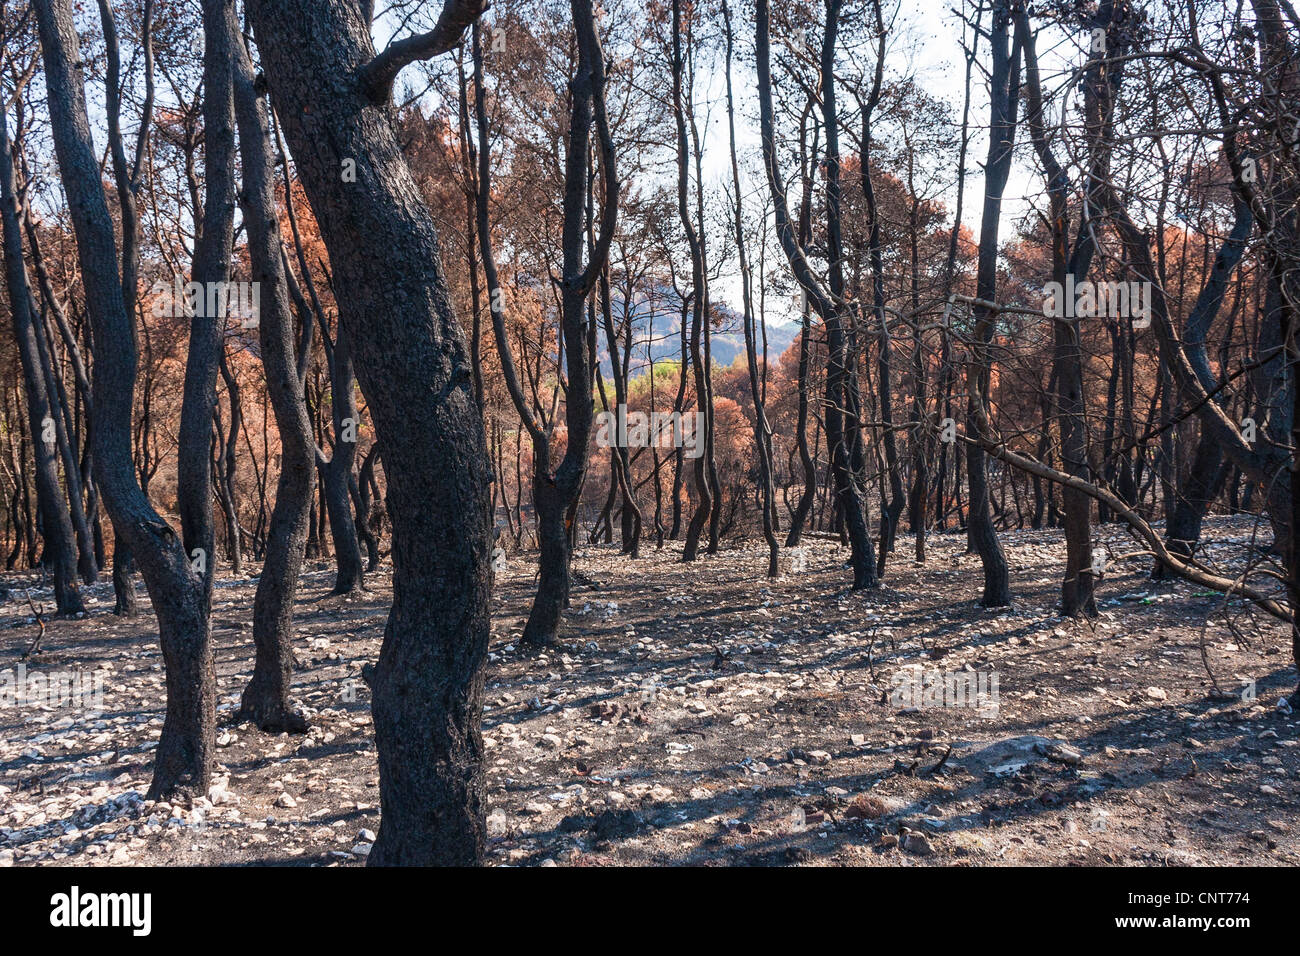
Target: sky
(926,43)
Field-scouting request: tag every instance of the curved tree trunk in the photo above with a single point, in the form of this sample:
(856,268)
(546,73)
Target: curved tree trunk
(414,368)
(56,524)
(1004,85)
(843,400)
(266,699)
(336,473)
(185,750)
(704,480)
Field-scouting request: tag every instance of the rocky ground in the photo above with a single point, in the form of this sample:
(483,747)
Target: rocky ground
(703,715)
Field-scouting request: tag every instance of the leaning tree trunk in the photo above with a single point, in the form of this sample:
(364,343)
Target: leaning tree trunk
(56,524)
(336,473)
(186,747)
(414,368)
(266,699)
(557,496)
(1004,87)
(65,437)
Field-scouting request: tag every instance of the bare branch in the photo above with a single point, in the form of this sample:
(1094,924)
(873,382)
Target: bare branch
(378,75)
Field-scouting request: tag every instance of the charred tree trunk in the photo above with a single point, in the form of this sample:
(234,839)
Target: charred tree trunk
(1004,84)
(556,489)
(184,755)
(761,427)
(415,371)
(809,494)
(266,699)
(56,524)
(807,461)
(704,499)
(843,405)
(336,473)
(226,472)
(556,493)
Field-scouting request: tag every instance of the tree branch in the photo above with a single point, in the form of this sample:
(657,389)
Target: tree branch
(378,75)
(1186,569)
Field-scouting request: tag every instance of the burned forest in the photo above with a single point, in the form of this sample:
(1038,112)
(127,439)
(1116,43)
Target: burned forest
(650,433)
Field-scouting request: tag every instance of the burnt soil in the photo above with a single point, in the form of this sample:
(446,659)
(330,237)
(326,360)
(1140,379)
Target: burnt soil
(702,715)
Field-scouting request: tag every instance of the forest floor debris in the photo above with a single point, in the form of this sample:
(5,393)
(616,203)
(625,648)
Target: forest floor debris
(700,714)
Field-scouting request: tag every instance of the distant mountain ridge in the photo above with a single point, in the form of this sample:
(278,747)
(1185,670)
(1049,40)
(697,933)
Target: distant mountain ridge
(727,341)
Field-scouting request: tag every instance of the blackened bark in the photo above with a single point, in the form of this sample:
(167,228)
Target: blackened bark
(556,495)
(1197,490)
(372,517)
(679,405)
(808,497)
(620,459)
(211,269)
(349,576)
(414,369)
(556,491)
(892,506)
(125,603)
(842,405)
(266,699)
(1003,85)
(1077,586)
(336,473)
(1068,267)
(1189,500)
(56,523)
(1281,321)
(85,522)
(704,499)
(226,465)
(469,163)
(809,494)
(185,750)
(761,427)
(66,436)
